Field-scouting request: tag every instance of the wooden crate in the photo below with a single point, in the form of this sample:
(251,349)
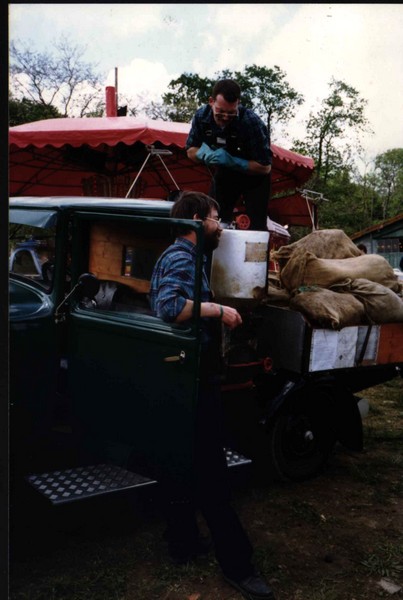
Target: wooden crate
(108,248)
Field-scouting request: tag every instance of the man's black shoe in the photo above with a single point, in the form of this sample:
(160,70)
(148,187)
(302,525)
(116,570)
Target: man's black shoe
(253,587)
(184,552)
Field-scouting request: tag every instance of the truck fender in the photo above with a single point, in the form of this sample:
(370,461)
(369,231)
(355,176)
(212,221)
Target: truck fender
(274,405)
(342,411)
(347,420)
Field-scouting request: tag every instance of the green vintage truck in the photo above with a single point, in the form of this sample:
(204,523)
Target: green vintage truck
(103,393)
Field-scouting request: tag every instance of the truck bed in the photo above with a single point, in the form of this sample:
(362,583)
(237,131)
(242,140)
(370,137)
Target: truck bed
(294,345)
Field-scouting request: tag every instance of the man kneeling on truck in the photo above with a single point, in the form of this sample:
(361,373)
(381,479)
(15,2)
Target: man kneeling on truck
(171,293)
(234,141)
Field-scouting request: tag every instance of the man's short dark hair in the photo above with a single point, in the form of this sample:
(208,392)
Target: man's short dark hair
(227,88)
(189,204)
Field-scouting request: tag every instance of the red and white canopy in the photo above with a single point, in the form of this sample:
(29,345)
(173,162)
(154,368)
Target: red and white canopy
(102,156)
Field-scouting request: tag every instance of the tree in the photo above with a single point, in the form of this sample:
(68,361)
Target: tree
(344,207)
(27,111)
(188,93)
(264,90)
(268,93)
(389,181)
(329,131)
(62,80)
(366,180)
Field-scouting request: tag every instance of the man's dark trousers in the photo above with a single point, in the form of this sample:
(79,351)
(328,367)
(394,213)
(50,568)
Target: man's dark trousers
(211,493)
(227,188)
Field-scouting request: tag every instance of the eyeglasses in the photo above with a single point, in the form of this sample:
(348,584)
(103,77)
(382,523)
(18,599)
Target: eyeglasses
(217,220)
(223,113)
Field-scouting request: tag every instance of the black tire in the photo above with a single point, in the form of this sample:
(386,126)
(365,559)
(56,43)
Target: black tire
(300,438)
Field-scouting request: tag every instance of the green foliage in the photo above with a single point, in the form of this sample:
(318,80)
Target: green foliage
(27,111)
(179,105)
(389,181)
(357,202)
(188,93)
(344,207)
(328,131)
(354,201)
(385,561)
(264,90)
(267,92)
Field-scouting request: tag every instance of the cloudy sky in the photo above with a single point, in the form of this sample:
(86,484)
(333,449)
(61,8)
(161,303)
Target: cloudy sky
(151,44)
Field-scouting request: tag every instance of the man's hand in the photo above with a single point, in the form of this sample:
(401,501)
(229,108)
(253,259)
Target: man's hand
(228,315)
(231,317)
(224,159)
(205,153)
(221,158)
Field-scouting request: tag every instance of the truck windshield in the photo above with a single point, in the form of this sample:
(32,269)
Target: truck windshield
(32,253)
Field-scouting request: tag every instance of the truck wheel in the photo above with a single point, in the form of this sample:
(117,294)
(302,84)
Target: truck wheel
(300,439)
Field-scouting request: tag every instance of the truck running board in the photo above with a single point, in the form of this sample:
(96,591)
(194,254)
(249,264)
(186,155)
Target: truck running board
(61,487)
(234,459)
(85,482)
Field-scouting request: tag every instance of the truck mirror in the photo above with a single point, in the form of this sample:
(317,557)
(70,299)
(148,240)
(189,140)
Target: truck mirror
(88,284)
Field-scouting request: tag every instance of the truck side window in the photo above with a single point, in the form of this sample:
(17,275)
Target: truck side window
(23,263)
(32,253)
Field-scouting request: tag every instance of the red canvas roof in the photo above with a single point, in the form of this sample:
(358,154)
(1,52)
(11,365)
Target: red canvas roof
(86,156)
(96,131)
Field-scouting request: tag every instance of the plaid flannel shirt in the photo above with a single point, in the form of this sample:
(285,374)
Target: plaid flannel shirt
(173,280)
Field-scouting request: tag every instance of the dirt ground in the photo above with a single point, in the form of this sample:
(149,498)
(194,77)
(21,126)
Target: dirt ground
(338,536)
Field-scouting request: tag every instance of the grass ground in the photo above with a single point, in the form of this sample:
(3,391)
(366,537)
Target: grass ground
(335,537)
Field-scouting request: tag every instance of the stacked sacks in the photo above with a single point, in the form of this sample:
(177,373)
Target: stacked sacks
(323,243)
(328,309)
(334,285)
(275,294)
(382,304)
(304,268)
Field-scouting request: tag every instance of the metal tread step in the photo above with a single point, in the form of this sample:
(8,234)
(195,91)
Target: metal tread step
(85,482)
(78,483)
(235,459)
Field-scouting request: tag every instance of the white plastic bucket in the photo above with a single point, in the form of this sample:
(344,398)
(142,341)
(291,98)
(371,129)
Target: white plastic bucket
(239,264)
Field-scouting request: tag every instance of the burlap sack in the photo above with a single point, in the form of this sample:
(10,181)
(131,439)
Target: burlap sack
(323,243)
(327,309)
(303,268)
(276,296)
(381,304)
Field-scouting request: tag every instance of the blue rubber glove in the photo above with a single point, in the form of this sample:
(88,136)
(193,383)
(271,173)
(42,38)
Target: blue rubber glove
(222,158)
(205,153)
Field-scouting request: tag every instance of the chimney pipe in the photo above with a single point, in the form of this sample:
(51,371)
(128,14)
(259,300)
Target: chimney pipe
(111,109)
(116,86)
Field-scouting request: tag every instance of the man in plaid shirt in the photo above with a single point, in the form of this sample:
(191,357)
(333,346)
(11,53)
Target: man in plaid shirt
(235,141)
(171,295)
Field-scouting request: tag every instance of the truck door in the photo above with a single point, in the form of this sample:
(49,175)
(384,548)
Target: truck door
(133,378)
(36,247)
